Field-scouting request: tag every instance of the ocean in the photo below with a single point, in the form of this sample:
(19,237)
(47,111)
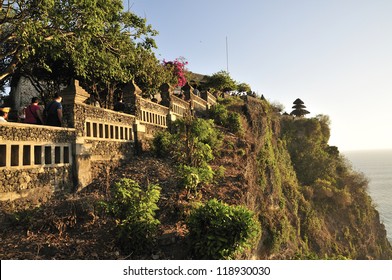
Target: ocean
(377,167)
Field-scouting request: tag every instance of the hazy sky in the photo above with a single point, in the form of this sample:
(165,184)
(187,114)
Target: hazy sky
(336,55)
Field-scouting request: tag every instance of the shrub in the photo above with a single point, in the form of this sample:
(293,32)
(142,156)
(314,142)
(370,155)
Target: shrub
(134,211)
(192,145)
(220,231)
(193,176)
(195,140)
(190,178)
(230,120)
(219,114)
(161,144)
(233,122)
(220,172)
(343,198)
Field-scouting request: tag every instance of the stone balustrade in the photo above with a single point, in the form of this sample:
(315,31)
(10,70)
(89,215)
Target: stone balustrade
(37,160)
(34,160)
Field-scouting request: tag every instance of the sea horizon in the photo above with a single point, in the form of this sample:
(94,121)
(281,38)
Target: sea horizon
(376,165)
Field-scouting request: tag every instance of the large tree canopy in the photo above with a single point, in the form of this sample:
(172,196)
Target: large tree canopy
(221,81)
(93,40)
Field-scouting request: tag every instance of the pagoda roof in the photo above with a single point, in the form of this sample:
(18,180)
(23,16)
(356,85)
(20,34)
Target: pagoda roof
(298,101)
(298,106)
(299,112)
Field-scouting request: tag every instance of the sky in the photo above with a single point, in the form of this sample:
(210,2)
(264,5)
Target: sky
(336,55)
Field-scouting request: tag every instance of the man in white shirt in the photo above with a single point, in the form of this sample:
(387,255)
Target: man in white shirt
(3,115)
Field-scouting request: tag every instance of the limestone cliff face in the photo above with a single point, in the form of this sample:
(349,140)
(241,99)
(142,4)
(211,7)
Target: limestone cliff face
(311,204)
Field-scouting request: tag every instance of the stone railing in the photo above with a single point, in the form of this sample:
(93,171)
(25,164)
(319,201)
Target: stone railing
(211,99)
(107,131)
(179,107)
(25,145)
(152,113)
(103,139)
(198,103)
(84,116)
(34,159)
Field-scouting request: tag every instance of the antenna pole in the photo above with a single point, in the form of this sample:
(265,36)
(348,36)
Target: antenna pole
(227,56)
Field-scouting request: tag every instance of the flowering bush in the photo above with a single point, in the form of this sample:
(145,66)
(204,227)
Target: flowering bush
(178,69)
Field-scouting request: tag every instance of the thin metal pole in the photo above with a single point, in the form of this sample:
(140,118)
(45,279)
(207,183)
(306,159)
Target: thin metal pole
(227,56)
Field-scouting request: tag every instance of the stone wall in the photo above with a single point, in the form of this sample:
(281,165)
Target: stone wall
(35,183)
(81,113)
(35,160)
(36,133)
(103,138)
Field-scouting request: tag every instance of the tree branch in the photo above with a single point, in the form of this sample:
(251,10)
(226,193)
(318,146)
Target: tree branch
(36,84)
(62,36)
(10,68)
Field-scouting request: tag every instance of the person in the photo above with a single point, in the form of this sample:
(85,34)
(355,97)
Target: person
(119,106)
(3,114)
(54,112)
(22,114)
(33,113)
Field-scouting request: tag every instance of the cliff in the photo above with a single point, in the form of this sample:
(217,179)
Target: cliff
(308,200)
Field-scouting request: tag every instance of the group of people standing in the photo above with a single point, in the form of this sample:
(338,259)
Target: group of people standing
(34,114)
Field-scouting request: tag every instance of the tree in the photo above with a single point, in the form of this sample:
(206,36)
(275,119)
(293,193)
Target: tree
(196,140)
(148,72)
(92,40)
(192,144)
(243,87)
(221,81)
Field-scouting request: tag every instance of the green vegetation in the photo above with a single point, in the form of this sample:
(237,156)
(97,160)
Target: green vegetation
(95,41)
(134,210)
(220,231)
(221,81)
(308,200)
(290,183)
(222,116)
(162,142)
(306,193)
(191,145)
(307,142)
(335,210)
